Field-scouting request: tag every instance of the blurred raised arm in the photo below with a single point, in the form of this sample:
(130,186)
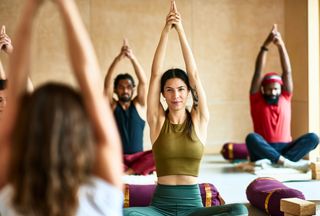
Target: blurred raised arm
(83,59)
(108,81)
(285,63)
(17,74)
(142,85)
(261,62)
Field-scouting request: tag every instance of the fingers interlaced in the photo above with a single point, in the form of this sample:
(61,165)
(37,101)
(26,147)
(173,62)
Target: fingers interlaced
(3,29)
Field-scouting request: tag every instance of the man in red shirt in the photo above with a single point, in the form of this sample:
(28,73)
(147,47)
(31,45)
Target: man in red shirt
(270,104)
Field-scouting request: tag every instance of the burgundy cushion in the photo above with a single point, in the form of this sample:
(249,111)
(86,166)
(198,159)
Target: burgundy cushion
(266,193)
(141,195)
(233,151)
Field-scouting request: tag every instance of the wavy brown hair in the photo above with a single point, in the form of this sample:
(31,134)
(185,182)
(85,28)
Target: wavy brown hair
(52,152)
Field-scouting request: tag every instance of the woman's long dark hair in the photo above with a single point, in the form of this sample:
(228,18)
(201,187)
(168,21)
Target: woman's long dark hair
(52,152)
(178,73)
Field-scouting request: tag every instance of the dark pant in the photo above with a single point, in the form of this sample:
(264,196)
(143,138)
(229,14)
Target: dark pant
(259,148)
(141,163)
(182,200)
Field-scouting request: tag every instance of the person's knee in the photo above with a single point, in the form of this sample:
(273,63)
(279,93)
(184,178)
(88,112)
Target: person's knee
(238,209)
(251,139)
(314,139)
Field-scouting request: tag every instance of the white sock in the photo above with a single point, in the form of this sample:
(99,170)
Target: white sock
(302,165)
(264,163)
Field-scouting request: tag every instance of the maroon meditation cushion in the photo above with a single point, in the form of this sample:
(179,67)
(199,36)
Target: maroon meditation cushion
(266,193)
(141,195)
(234,151)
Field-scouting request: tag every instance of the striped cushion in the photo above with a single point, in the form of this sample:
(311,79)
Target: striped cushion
(266,193)
(141,195)
(233,151)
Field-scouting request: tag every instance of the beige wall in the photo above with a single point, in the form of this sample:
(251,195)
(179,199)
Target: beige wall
(297,43)
(225,36)
(314,71)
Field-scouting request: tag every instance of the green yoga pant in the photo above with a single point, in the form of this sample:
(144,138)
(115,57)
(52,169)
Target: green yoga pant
(182,200)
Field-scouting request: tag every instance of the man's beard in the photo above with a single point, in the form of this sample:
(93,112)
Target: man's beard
(125,98)
(271,99)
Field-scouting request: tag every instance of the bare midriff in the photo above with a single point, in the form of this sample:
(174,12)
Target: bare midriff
(177,180)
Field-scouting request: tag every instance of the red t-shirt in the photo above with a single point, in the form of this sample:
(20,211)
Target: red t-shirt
(272,122)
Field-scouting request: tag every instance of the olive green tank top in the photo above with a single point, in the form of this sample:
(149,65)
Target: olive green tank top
(175,153)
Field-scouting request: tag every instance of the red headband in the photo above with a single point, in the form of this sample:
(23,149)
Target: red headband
(272,77)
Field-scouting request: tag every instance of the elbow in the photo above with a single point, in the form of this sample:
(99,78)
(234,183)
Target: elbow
(192,72)
(143,83)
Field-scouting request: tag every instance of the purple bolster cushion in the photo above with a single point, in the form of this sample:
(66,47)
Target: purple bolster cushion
(233,151)
(141,195)
(266,193)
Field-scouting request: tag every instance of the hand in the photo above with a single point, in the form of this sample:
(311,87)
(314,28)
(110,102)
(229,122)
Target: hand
(125,45)
(121,55)
(173,19)
(129,54)
(177,24)
(5,41)
(278,39)
(271,36)
(170,16)
(177,21)
(173,7)
(126,51)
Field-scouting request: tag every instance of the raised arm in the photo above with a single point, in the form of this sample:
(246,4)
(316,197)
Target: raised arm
(285,63)
(155,111)
(17,74)
(2,46)
(6,46)
(85,66)
(108,81)
(200,106)
(5,41)
(261,62)
(30,86)
(3,76)
(142,85)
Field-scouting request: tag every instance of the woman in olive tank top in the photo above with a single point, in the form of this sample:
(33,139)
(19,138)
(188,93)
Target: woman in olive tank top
(178,135)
